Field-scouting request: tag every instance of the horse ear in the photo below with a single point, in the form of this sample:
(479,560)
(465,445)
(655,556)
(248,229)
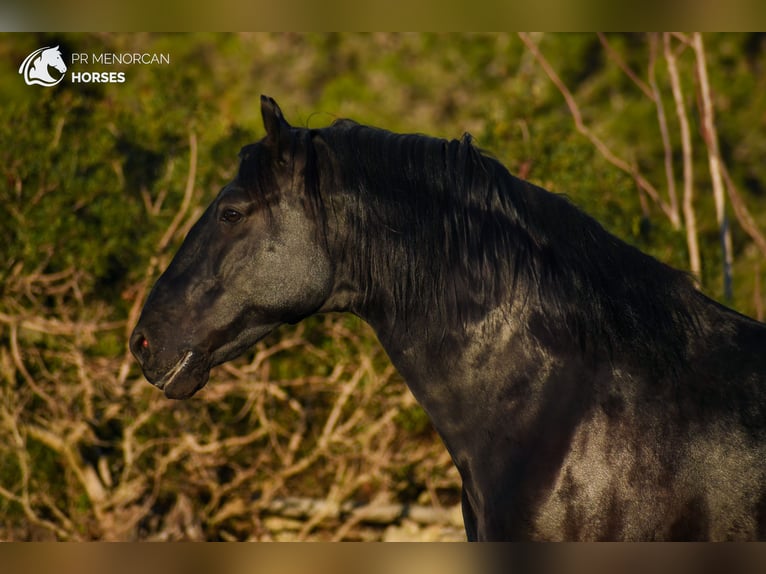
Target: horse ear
(277,128)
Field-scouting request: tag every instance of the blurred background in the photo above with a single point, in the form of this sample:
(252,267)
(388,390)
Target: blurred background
(312,435)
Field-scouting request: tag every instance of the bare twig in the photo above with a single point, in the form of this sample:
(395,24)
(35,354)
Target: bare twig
(714,159)
(742,213)
(690,218)
(617,59)
(599,144)
(664,133)
(377,512)
(57,327)
(21,368)
(188,194)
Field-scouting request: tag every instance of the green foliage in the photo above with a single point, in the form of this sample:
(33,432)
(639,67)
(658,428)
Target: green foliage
(413,419)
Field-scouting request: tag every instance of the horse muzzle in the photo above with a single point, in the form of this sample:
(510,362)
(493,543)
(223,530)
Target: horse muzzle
(184,377)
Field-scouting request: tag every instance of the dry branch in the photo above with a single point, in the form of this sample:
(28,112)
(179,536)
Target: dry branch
(597,142)
(649,90)
(742,213)
(690,217)
(656,97)
(710,136)
(301,508)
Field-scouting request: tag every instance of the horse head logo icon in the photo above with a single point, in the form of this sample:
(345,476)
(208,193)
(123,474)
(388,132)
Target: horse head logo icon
(36,68)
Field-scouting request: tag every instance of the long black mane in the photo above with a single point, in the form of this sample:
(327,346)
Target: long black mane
(453,234)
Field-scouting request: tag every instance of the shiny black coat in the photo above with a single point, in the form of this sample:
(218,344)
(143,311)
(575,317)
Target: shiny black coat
(584,390)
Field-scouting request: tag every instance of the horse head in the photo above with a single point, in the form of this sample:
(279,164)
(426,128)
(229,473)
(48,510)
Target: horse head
(52,57)
(251,263)
(35,67)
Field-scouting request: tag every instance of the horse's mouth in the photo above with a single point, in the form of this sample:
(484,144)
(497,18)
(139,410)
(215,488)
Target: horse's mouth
(186,377)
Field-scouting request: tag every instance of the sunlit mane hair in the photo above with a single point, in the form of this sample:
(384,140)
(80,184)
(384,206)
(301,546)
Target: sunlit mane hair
(446,230)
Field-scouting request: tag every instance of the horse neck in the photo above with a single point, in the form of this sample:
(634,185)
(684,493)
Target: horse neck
(419,251)
(591,296)
(381,278)
(397,278)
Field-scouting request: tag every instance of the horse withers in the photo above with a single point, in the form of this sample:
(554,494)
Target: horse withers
(584,390)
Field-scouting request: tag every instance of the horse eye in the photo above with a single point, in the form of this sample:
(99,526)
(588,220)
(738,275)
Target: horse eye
(231,216)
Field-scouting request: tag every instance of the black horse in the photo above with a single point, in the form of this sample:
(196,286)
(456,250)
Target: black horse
(584,390)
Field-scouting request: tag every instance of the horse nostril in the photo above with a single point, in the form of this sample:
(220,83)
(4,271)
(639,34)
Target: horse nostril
(139,345)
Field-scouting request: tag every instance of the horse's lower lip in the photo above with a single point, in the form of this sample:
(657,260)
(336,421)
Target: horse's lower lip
(186,377)
(177,369)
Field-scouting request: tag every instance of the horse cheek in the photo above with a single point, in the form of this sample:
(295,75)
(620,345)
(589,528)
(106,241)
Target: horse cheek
(290,281)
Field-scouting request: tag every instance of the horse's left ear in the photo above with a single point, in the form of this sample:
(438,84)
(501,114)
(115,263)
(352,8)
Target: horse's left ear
(277,128)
